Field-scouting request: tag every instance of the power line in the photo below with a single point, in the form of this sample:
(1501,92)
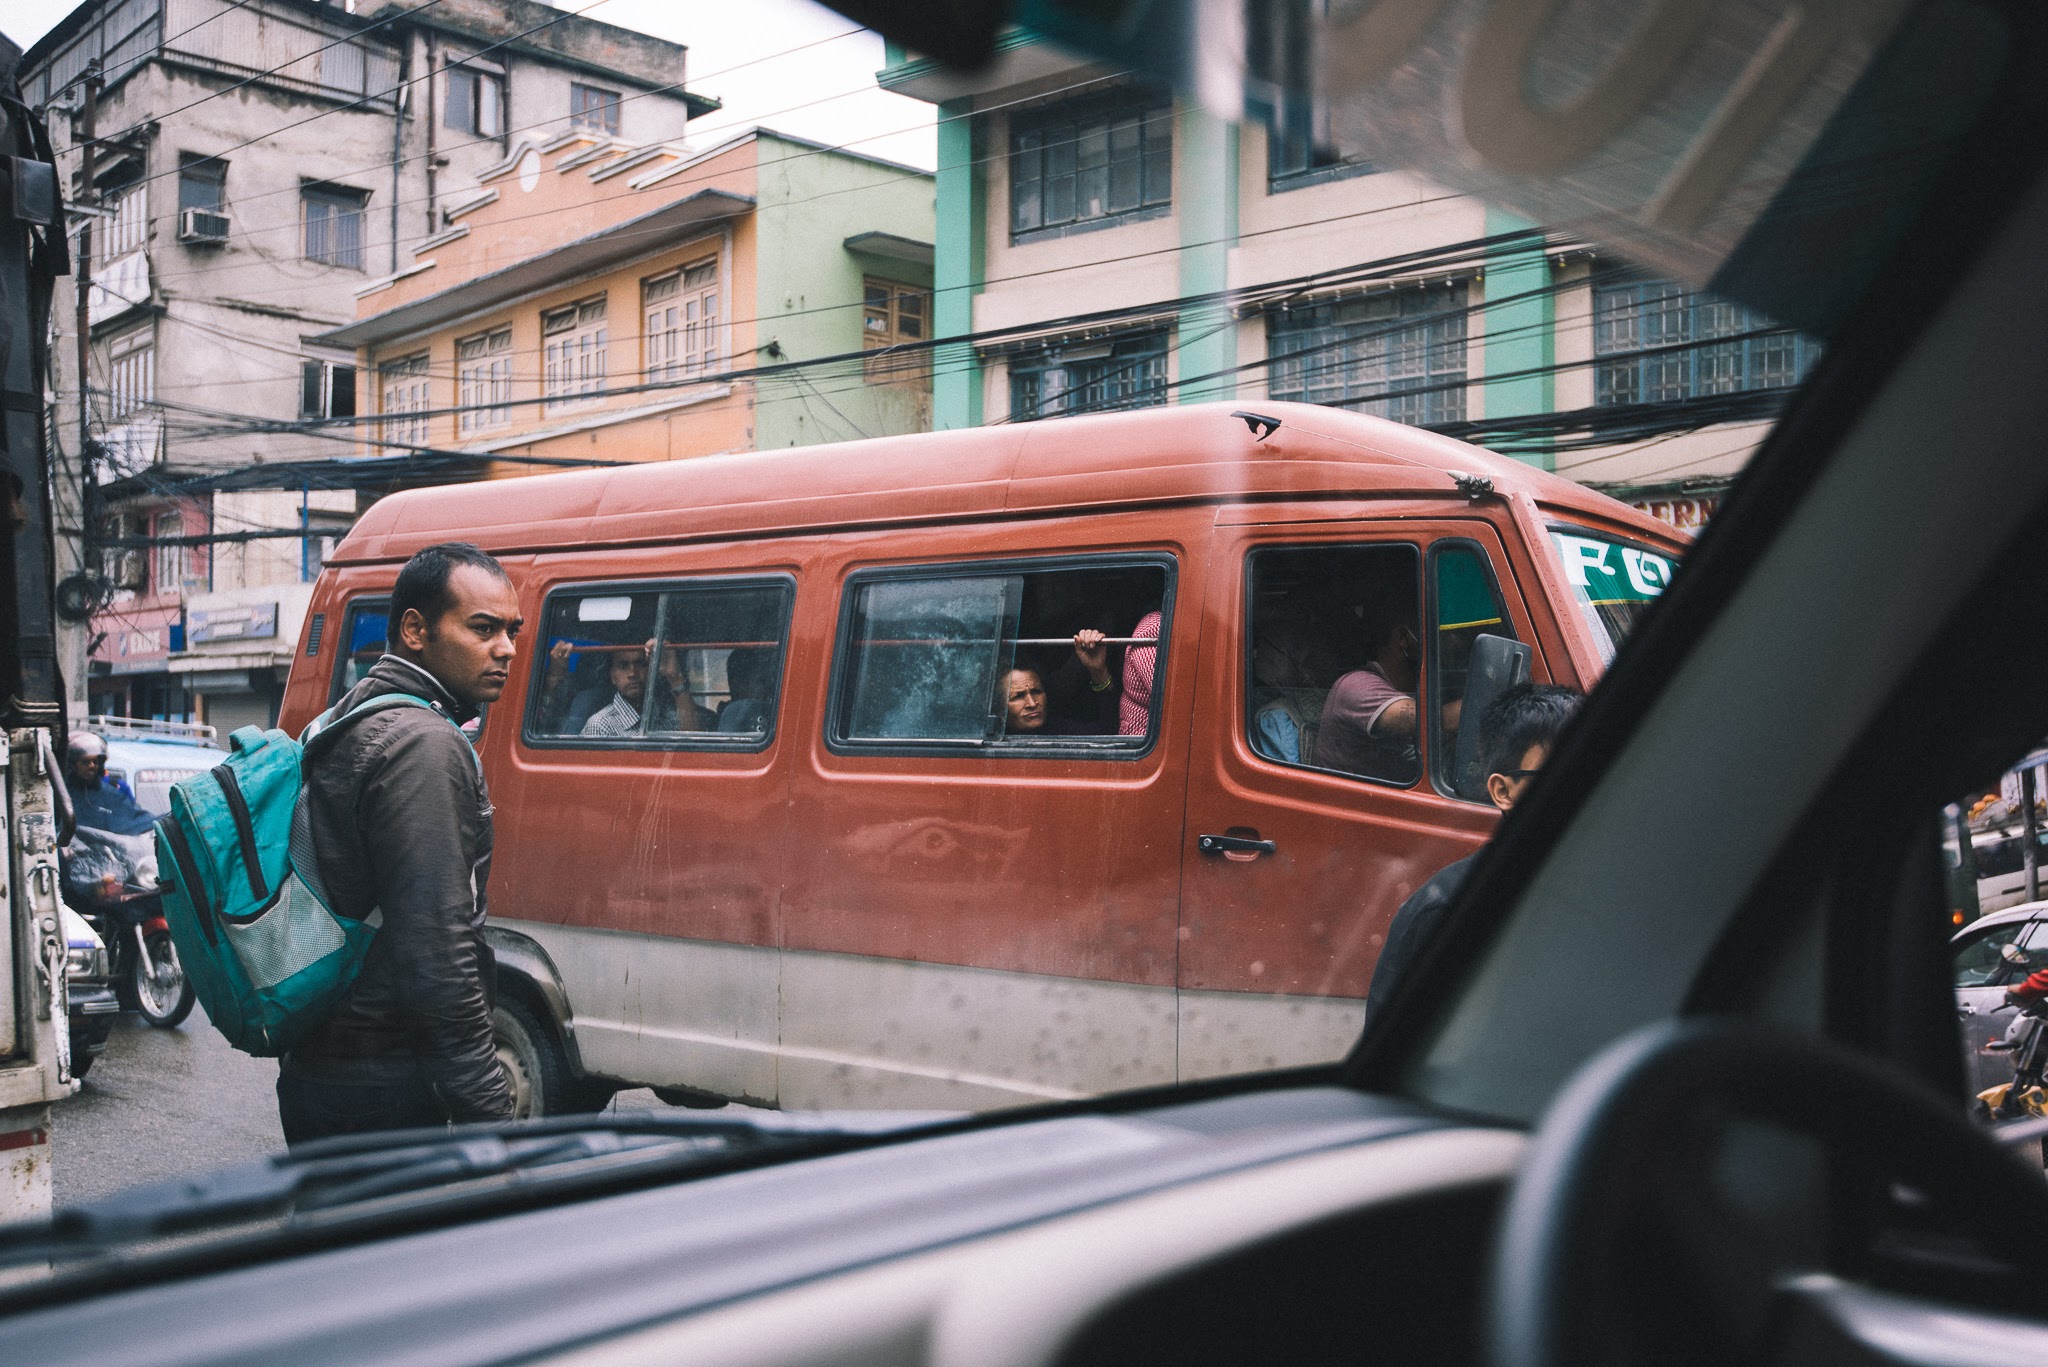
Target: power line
(545,123)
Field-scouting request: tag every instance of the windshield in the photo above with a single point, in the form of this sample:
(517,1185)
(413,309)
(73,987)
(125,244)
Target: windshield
(1612,583)
(965,590)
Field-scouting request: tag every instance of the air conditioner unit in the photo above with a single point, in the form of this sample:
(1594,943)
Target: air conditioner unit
(202,225)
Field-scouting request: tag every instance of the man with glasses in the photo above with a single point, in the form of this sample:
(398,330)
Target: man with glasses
(1516,735)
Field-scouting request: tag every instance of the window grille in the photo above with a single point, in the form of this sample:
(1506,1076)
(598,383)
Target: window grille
(681,310)
(573,352)
(1364,353)
(1090,161)
(483,377)
(404,382)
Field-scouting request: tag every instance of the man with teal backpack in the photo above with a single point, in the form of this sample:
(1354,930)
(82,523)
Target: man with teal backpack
(328,895)
(400,822)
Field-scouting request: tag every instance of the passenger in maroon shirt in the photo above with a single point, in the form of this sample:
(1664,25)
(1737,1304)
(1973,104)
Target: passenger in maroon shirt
(1370,718)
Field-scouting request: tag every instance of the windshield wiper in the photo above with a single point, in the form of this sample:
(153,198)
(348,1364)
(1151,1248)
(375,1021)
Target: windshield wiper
(333,1176)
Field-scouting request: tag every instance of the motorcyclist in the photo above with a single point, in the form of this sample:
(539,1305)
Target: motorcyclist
(2030,993)
(101,803)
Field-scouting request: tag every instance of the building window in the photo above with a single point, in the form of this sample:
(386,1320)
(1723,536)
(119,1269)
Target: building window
(327,389)
(681,310)
(476,101)
(334,225)
(1090,161)
(893,314)
(573,352)
(1093,377)
(202,184)
(1635,316)
(126,226)
(404,382)
(1399,355)
(483,380)
(594,110)
(126,567)
(131,374)
(172,561)
(1294,160)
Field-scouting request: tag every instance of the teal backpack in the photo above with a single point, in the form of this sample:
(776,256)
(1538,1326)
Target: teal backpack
(266,954)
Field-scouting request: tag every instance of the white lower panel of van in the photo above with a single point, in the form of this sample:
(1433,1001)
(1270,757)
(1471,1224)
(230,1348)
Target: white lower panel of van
(806,1030)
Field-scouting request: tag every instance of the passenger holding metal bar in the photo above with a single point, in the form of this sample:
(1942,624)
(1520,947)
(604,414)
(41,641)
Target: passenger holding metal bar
(1026,712)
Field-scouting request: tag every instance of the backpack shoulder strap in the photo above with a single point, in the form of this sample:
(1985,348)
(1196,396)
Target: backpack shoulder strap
(322,730)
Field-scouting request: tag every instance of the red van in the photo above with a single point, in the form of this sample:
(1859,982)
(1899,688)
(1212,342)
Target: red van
(806,795)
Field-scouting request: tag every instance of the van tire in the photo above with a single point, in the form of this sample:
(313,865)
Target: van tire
(537,1067)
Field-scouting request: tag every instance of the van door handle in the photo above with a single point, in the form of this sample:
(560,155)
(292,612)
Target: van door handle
(1233,844)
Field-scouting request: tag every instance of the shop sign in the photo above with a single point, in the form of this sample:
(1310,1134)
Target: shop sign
(1686,514)
(243,622)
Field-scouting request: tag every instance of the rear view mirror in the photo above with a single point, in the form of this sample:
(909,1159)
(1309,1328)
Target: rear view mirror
(1498,664)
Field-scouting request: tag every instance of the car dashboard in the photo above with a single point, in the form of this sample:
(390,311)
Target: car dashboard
(1293,1224)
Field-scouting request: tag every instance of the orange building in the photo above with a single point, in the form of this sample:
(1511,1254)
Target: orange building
(591,301)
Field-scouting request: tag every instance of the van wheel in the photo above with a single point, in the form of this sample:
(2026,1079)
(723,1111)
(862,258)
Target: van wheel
(537,1069)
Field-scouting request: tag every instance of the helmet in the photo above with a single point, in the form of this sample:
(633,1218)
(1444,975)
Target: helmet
(84,745)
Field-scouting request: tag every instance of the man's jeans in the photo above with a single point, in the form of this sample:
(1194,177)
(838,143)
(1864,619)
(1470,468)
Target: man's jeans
(319,1109)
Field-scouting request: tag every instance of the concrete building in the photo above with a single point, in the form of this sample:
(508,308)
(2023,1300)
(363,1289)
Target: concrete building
(251,164)
(1104,244)
(588,299)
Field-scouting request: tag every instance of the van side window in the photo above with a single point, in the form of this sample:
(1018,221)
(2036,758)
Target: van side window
(363,643)
(1464,608)
(1335,655)
(696,666)
(996,658)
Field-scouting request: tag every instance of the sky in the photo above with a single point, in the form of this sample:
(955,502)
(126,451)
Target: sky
(786,64)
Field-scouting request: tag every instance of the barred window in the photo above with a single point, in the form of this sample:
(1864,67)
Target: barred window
(173,562)
(573,342)
(1677,329)
(1399,355)
(334,225)
(483,380)
(1093,377)
(1090,160)
(681,310)
(131,374)
(126,227)
(404,385)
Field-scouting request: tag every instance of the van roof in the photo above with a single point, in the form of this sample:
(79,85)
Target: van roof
(1191,454)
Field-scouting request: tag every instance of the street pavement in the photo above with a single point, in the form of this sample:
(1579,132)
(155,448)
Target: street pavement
(164,1103)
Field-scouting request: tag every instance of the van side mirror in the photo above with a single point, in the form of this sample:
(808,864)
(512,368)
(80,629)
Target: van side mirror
(1498,664)
(2013,955)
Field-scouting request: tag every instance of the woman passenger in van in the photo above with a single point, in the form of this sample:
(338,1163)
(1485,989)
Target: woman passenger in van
(1026,712)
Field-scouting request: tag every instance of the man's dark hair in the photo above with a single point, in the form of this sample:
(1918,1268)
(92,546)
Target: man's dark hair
(1389,602)
(423,584)
(1525,716)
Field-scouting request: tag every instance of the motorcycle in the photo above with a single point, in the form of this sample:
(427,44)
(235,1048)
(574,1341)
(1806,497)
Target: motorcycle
(110,879)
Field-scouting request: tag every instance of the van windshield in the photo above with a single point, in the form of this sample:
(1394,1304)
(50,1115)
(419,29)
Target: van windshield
(1613,582)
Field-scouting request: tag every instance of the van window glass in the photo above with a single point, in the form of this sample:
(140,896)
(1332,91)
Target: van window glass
(1614,583)
(1465,607)
(1335,646)
(997,658)
(363,643)
(696,665)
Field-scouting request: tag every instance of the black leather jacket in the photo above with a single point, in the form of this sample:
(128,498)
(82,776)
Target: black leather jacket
(401,822)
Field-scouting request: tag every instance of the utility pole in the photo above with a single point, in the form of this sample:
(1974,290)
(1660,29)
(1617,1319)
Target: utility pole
(87,196)
(88,134)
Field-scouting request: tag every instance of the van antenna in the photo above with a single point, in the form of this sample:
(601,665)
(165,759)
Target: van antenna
(1261,426)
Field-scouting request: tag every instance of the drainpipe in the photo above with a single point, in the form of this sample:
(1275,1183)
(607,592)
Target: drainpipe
(433,119)
(398,102)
